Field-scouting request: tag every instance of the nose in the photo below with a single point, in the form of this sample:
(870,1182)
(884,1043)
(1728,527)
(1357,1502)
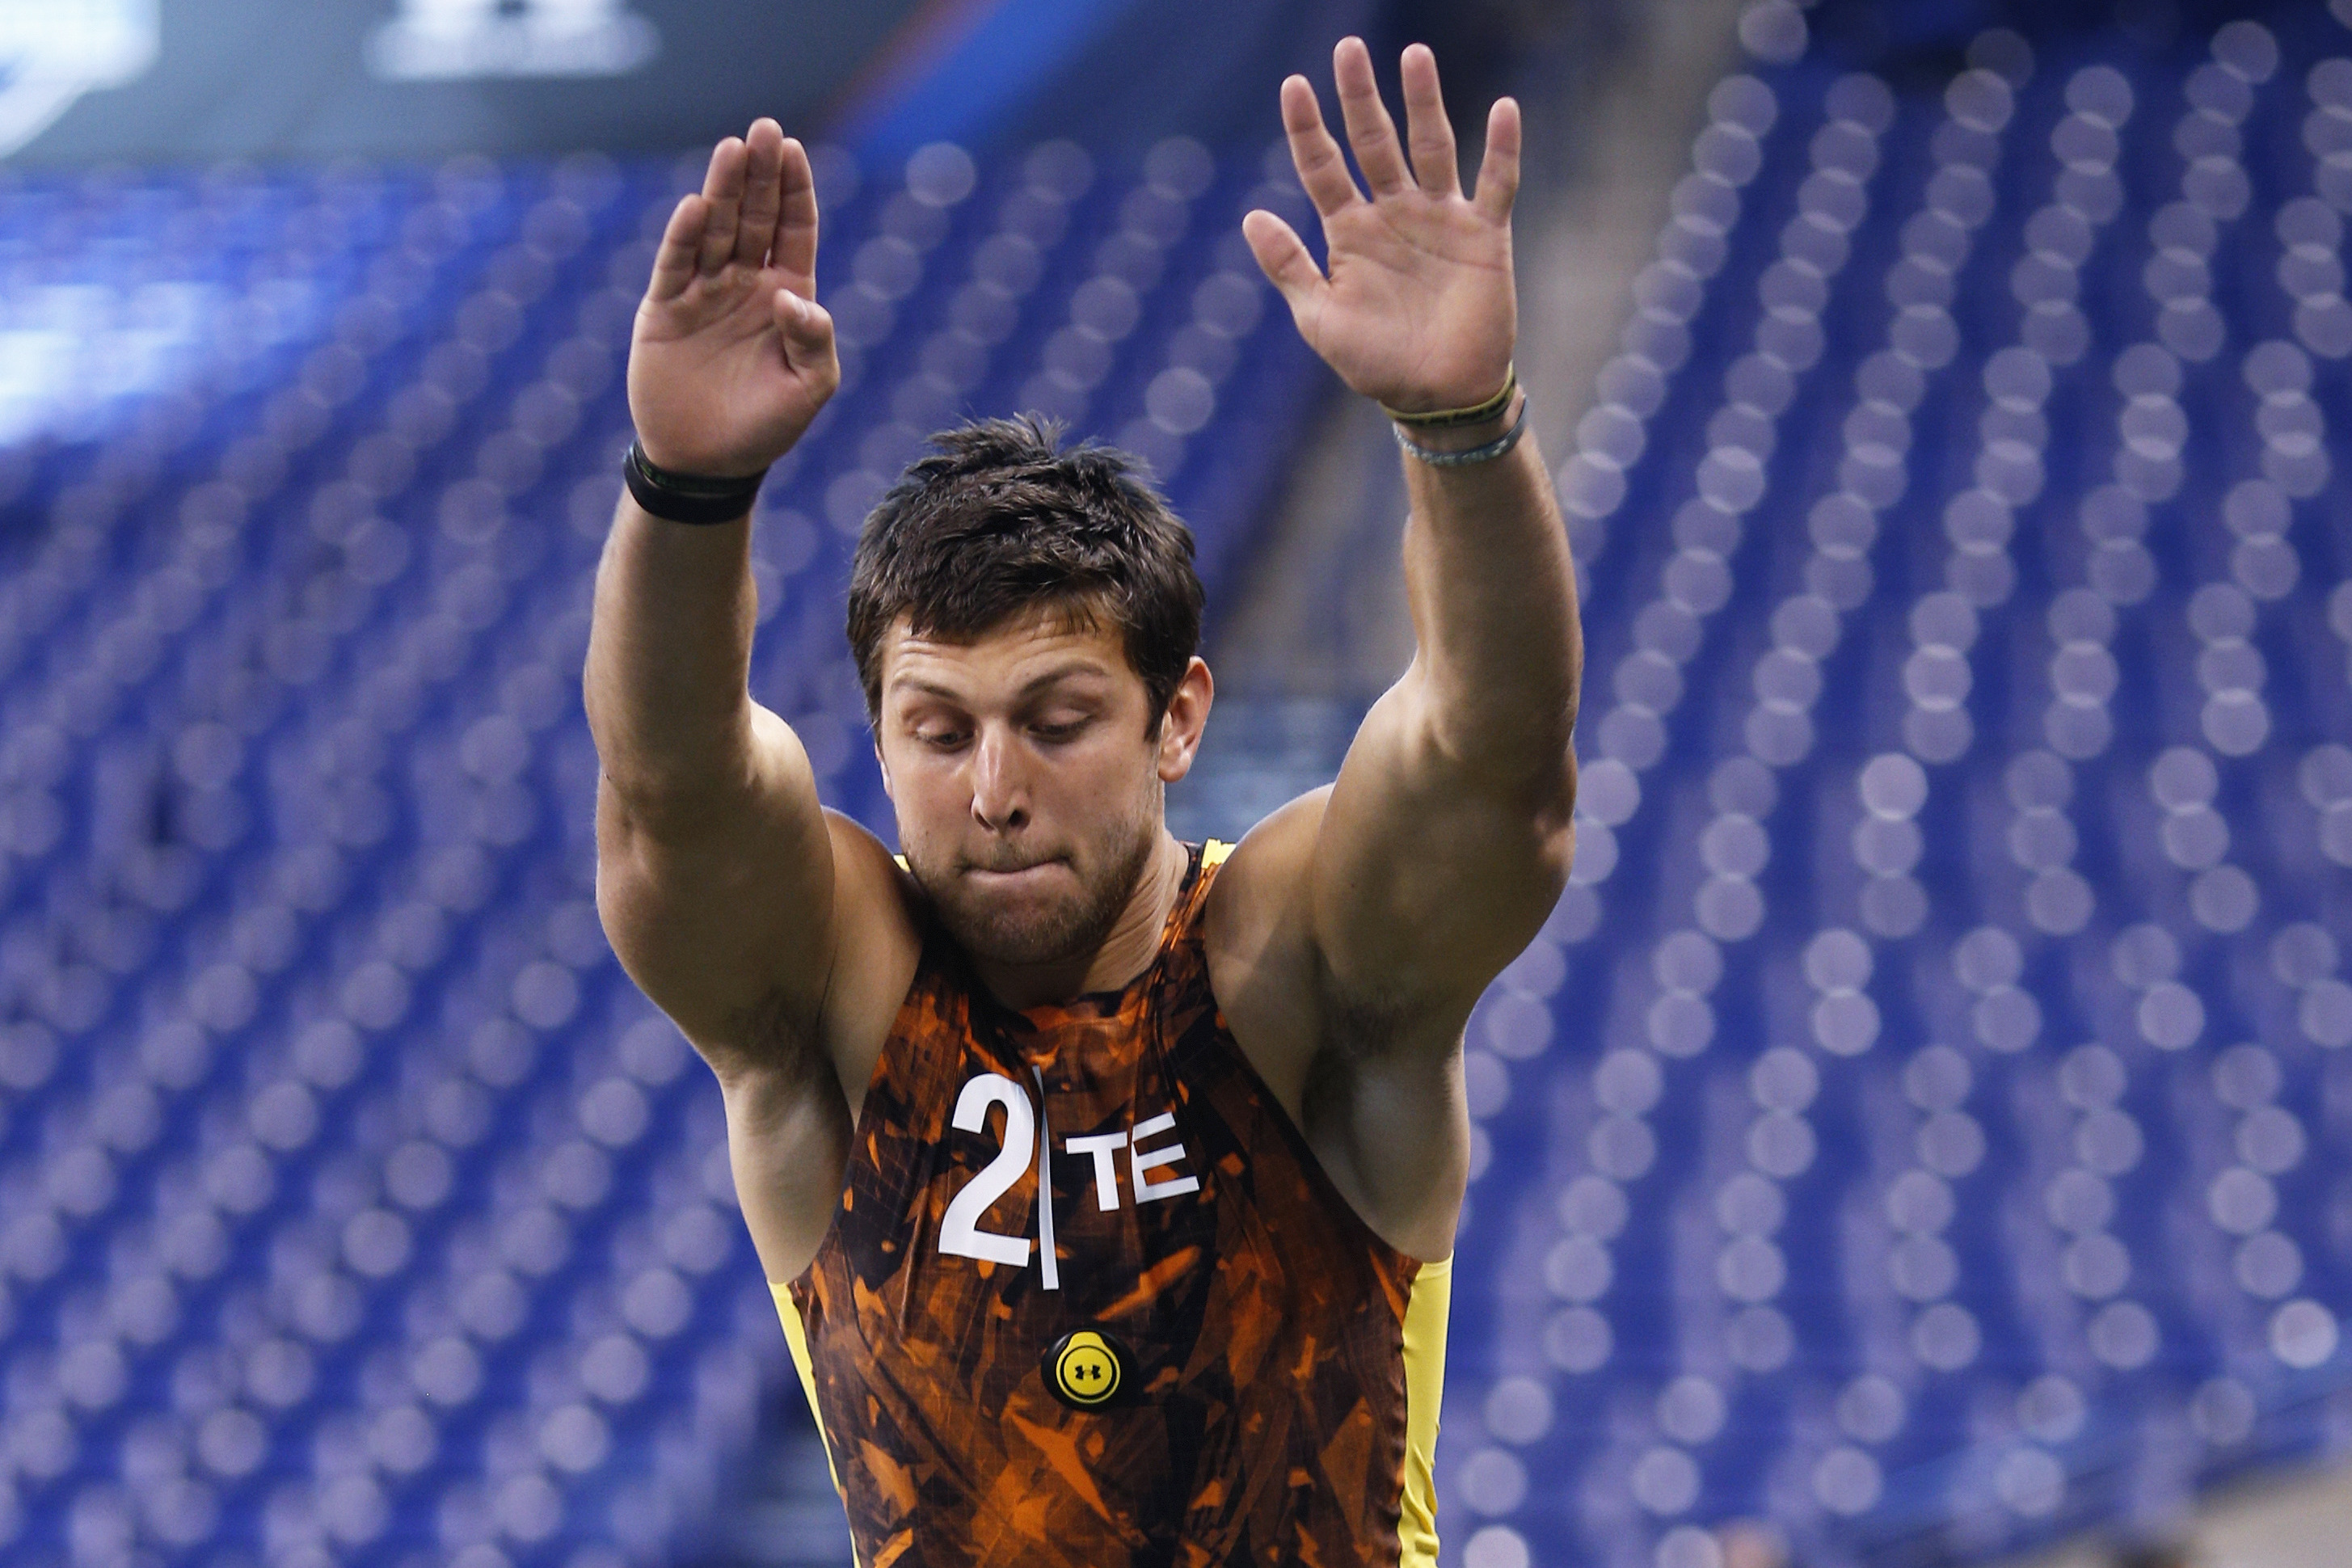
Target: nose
(1000,795)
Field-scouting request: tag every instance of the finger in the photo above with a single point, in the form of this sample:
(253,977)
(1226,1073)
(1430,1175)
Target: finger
(806,326)
(1370,131)
(681,243)
(1498,171)
(1426,127)
(723,188)
(1322,167)
(795,244)
(763,164)
(1283,256)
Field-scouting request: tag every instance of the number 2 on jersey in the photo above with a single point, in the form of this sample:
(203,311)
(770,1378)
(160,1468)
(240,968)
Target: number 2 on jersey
(959,1231)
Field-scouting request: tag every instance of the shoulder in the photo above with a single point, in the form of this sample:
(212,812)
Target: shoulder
(878,923)
(1259,943)
(1275,984)
(859,856)
(1259,899)
(1259,926)
(1384,1119)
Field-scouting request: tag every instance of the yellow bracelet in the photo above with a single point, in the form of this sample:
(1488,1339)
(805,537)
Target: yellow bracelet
(1477,413)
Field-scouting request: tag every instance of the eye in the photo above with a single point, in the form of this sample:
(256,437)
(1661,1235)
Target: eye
(940,740)
(1055,732)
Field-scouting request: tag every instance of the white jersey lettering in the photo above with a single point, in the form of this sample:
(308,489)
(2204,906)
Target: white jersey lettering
(1138,1161)
(960,1232)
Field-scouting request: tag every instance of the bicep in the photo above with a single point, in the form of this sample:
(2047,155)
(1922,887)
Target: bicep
(722,909)
(1427,877)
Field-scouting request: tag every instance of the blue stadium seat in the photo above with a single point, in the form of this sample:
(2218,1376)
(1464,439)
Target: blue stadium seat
(1930,1086)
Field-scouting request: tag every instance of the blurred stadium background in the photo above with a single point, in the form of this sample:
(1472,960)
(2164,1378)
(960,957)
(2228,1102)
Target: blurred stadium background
(1918,1137)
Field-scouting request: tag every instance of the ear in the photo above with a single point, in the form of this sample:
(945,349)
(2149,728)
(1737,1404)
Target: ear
(884,763)
(1187,716)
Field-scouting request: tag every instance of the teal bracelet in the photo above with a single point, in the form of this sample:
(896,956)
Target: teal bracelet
(1485,454)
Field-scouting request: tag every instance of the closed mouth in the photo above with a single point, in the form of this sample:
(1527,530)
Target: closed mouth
(1010,871)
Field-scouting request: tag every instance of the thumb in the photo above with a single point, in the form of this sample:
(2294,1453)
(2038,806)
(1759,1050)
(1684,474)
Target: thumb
(1281,255)
(806,326)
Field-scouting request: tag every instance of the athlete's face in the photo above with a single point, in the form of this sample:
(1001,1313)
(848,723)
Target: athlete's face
(1028,778)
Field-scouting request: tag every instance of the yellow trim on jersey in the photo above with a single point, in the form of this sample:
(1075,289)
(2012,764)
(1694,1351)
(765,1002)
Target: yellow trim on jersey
(796,1337)
(1426,1303)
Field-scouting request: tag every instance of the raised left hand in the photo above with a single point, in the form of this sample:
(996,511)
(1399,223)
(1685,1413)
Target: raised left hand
(1419,309)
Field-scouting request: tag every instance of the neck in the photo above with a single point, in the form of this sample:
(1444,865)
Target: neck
(1122,955)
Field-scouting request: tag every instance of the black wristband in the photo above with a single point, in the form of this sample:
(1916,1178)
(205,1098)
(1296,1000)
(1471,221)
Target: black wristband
(687,498)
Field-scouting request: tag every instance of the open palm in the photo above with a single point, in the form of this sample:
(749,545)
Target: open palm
(1418,308)
(732,356)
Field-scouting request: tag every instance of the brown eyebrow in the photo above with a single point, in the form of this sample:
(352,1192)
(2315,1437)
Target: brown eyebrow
(1035,683)
(1062,672)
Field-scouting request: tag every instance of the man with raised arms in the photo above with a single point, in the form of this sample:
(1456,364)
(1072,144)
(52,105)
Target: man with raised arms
(1106,1184)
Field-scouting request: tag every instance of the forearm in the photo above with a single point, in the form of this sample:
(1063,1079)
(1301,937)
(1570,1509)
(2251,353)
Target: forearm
(714,871)
(669,654)
(1446,837)
(1492,594)
(729,359)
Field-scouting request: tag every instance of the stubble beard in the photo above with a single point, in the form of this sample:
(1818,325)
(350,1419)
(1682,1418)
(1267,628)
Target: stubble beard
(1061,930)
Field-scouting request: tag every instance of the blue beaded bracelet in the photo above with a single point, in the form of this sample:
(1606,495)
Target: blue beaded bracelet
(1485,454)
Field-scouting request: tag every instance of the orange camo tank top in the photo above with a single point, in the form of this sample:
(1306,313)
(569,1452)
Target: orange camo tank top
(1191,1352)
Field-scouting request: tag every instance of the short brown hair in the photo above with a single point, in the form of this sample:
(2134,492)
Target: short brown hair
(1000,520)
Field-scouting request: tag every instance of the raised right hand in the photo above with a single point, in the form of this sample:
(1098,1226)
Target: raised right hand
(732,356)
